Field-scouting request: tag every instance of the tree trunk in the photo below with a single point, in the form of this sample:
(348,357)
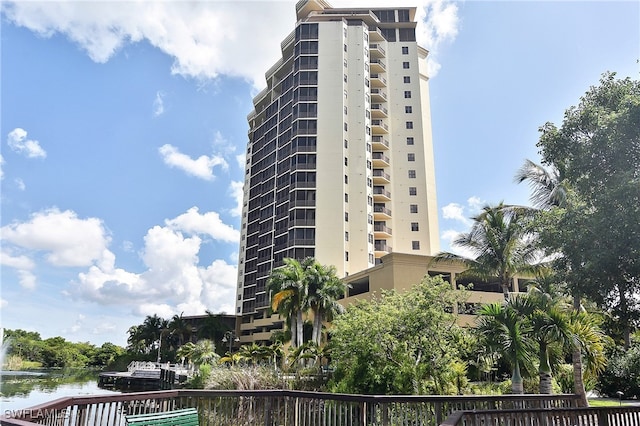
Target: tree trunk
(544,371)
(317,327)
(576,358)
(294,330)
(300,325)
(516,380)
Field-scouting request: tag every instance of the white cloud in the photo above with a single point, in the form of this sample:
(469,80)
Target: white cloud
(18,142)
(183,30)
(173,281)
(158,104)
(454,211)
(66,239)
(475,204)
(1,164)
(20,184)
(209,223)
(3,303)
(202,167)
(24,266)
(237,192)
(448,237)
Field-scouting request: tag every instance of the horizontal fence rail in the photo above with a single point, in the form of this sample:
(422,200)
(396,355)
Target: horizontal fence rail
(276,407)
(591,416)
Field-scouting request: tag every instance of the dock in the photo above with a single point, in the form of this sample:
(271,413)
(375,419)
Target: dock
(144,376)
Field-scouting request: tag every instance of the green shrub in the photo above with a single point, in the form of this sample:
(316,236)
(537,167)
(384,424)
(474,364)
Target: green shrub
(622,374)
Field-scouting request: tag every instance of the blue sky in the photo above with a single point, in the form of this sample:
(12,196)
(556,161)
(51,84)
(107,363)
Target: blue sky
(123,130)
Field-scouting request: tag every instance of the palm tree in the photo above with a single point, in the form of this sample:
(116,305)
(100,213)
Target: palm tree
(501,242)
(180,329)
(324,290)
(204,352)
(289,285)
(549,190)
(550,327)
(500,327)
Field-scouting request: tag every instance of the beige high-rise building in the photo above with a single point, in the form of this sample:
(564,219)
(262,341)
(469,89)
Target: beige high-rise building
(340,160)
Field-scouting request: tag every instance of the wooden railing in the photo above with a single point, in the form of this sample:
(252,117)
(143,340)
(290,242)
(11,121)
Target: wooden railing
(592,416)
(274,407)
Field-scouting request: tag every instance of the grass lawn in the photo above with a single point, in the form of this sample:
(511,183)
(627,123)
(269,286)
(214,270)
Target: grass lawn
(601,402)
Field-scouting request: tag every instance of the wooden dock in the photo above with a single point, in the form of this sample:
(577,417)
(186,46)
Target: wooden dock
(143,377)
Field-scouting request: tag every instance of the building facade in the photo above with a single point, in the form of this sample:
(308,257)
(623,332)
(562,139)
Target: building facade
(339,160)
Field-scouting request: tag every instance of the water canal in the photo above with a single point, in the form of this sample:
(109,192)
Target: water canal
(24,389)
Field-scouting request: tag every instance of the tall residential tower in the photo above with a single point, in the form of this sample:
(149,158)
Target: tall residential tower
(340,159)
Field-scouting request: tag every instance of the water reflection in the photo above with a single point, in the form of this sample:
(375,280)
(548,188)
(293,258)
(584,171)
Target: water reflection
(24,389)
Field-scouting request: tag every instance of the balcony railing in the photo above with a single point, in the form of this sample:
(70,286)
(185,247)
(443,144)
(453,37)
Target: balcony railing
(275,407)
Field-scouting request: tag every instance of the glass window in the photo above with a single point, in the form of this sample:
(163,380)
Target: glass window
(410,140)
(407,79)
(407,94)
(408,109)
(413,190)
(412,174)
(409,124)
(413,208)
(411,156)
(346,236)
(414,226)
(405,50)
(403,15)
(405,65)
(346,216)
(415,245)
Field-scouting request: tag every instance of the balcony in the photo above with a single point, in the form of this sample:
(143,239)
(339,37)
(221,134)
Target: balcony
(380,177)
(376,49)
(381,231)
(381,194)
(379,111)
(378,80)
(380,160)
(381,212)
(377,66)
(381,248)
(378,95)
(379,126)
(380,143)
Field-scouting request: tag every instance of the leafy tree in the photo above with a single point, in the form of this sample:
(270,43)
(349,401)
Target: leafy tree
(595,233)
(501,242)
(180,329)
(398,343)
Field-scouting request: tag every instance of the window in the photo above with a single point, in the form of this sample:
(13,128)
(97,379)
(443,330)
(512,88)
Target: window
(346,256)
(345,47)
(370,219)
(415,245)
(413,208)
(346,179)
(346,143)
(370,238)
(370,200)
(345,63)
(409,124)
(346,198)
(414,226)
(413,190)
(405,65)
(345,127)
(346,216)
(345,78)
(410,140)
(407,94)
(406,79)
(346,236)
(405,50)
(368,164)
(346,161)
(369,182)
(408,109)
(345,110)
(412,174)
(411,156)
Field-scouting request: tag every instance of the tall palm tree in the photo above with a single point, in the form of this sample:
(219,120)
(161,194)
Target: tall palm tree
(288,286)
(324,290)
(502,244)
(549,190)
(503,332)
